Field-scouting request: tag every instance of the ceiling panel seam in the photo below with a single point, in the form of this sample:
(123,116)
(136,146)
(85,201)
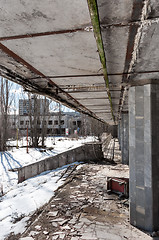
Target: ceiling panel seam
(93,8)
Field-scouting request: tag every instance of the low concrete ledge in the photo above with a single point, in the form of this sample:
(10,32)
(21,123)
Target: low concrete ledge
(87,152)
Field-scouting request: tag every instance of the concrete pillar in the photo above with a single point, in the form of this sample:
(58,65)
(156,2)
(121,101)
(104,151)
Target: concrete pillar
(144,156)
(124,131)
(119,134)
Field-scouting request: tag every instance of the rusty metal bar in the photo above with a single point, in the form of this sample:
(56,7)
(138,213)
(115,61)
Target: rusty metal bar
(32,35)
(91,91)
(98,75)
(70,76)
(31,68)
(106,98)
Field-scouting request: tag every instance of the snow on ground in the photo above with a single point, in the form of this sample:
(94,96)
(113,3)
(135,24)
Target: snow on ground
(21,200)
(16,158)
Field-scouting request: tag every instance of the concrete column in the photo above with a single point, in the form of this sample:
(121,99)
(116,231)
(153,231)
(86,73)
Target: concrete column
(119,134)
(124,131)
(144,156)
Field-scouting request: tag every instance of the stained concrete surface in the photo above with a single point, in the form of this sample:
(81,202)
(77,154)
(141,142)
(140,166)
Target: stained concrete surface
(83,153)
(54,40)
(82,209)
(39,16)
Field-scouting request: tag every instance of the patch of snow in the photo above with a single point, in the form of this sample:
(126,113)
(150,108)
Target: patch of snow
(20,201)
(18,204)
(17,158)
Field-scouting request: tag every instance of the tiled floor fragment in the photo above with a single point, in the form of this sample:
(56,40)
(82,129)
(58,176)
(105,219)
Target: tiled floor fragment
(82,210)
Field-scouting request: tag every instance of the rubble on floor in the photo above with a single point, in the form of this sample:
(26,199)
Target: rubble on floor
(82,210)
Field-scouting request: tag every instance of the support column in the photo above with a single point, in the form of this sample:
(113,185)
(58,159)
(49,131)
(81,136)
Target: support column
(144,156)
(119,134)
(125,137)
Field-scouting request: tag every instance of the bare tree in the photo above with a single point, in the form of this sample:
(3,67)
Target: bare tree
(5,102)
(59,116)
(38,115)
(44,119)
(34,119)
(91,126)
(97,127)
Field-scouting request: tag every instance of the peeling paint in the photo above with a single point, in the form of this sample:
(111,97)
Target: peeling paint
(88,29)
(144,24)
(141,31)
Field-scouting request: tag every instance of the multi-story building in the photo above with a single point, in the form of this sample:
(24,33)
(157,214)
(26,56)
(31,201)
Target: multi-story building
(56,123)
(27,106)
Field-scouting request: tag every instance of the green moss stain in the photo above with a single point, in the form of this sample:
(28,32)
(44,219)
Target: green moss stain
(96,27)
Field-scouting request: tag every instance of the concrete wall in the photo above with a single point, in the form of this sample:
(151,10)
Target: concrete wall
(92,151)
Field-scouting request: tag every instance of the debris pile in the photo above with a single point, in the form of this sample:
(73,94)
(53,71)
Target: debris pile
(82,209)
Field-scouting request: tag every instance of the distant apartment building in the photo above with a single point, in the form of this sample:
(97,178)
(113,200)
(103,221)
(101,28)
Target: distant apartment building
(27,106)
(55,123)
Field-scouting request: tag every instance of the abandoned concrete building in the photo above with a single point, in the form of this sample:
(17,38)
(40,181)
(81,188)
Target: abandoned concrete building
(26,106)
(100,58)
(55,124)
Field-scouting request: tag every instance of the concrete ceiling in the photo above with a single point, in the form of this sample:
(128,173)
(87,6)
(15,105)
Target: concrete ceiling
(50,48)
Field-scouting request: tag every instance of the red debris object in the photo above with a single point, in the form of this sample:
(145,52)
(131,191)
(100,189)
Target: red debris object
(118,185)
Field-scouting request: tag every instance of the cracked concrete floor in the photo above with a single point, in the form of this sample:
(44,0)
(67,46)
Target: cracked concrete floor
(82,210)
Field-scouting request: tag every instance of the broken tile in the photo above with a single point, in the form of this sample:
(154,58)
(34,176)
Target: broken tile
(26,238)
(57,220)
(67,227)
(55,237)
(68,213)
(57,233)
(78,225)
(33,233)
(53,214)
(63,222)
(53,205)
(62,235)
(38,227)
(72,196)
(54,224)
(84,206)
(81,198)
(73,220)
(77,191)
